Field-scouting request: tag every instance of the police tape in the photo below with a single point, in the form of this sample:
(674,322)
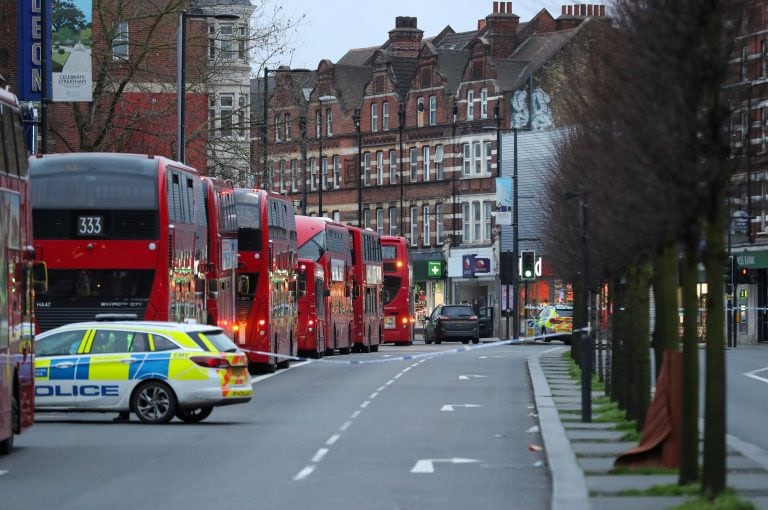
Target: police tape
(475,347)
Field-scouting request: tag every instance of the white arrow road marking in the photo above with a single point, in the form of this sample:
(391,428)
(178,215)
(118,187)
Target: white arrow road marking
(533,429)
(466,377)
(427,465)
(486,357)
(753,374)
(449,407)
(2,472)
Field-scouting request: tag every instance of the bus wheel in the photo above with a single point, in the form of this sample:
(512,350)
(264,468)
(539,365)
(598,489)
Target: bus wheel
(194,415)
(154,402)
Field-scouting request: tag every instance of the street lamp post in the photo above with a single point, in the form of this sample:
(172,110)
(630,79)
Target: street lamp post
(356,120)
(515,246)
(303,132)
(265,180)
(181,56)
(401,127)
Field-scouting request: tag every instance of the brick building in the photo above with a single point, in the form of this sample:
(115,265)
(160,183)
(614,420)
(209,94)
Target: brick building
(402,138)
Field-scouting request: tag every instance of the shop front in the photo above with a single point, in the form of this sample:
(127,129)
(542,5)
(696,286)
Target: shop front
(429,282)
(473,277)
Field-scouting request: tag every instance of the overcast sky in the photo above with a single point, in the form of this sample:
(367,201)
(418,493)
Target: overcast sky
(334,26)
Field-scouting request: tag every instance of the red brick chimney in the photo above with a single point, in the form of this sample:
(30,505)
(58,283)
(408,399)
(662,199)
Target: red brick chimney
(501,29)
(405,38)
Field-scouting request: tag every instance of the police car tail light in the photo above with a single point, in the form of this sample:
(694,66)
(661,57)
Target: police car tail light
(210,361)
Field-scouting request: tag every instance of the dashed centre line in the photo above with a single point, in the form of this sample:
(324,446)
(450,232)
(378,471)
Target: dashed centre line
(322,452)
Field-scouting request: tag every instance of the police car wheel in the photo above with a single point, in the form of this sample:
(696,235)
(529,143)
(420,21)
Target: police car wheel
(194,415)
(154,402)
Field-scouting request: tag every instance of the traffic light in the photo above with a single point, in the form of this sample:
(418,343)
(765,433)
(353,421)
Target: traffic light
(528,264)
(744,276)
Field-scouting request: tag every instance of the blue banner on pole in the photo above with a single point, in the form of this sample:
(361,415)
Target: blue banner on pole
(34,36)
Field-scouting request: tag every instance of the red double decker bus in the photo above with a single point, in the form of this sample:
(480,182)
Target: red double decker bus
(311,298)
(221,272)
(397,295)
(17,377)
(328,243)
(266,243)
(366,289)
(120,233)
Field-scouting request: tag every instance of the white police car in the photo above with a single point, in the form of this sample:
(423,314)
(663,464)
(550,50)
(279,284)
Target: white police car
(156,370)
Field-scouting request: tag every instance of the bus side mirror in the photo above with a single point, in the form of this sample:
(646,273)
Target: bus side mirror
(242,284)
(301,289)
(355,291)
(213,288)
(40,277)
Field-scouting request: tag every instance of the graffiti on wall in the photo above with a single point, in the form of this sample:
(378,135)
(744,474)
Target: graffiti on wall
(533,111)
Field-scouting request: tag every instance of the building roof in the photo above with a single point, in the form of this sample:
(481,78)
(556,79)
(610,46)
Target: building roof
(211,4)
(349,82)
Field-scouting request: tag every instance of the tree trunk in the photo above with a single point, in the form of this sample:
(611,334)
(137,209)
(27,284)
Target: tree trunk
(713,473)
(638,353)
(689,440)
(618,336)
(666,334)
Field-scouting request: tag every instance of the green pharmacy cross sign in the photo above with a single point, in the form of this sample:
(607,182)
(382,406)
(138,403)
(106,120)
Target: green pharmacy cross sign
(434,269)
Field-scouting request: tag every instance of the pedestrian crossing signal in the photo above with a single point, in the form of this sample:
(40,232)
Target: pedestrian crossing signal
(528,264)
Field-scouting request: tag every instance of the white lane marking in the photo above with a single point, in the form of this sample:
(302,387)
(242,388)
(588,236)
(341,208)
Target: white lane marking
(465,377)
(389,382)
(449,407)
(373,395)
(304,473)
(345,426)
(319,455)
(332,440)
(428,465)
(365,404)
(753,374)
(406,369)
(355,414)
(398,376)
(381,388)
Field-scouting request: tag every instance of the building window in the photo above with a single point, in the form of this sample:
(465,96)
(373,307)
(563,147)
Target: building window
(484,103)
(425,216)
(366,168)
(439,162)
(313,174)
(467,159)
(282,176)
(242,106)
(488,156)
(336,172)
(393,221)
(426,161)
(486,221)
(318,123)
(432,110)
(380,168)
(476,220)
(227,41)
(277,128)
(763,128)
(466,220)
(287,125)
(380,221)
(374,118)
(470,105)
(385,116)
(392,166)
(414,162)
(324,173)
(242,43)
(328,122)
(764,56)
(120,42)
(294,175)
(226,109)
(414,226)
(420,112)
(367,218)
(476,157)
(743,63)
(439,232)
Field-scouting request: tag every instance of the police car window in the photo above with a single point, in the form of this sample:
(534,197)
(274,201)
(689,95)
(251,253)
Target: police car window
(219,340)
(139,342)
(110,341)
(163,344)
(59,344)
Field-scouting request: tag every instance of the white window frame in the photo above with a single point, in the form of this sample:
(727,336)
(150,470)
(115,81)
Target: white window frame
(467,162)
(470,104)
(227,41)
(414,162)
(385,116)
(380,167)
(432,110)
(294,175)
(336,172)
(374,117)
(466,220)
(278,133)
(313,174)
(477,159)
(439,157)
(380,220)
(439,228)
(282,175)
(287,126)
(393,221)
(324,172)
(226,111)
(426,161)
(420,112)
(488,160)
(425,215)
(486,205)
(366,168)
(120,44)
(476,221)
(367,218)
(392,166)
(414,226)
(318,123)
(329,122)
(484,103)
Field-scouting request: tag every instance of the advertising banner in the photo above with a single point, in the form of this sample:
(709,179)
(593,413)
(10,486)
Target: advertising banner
(33,36)
(71,66)
(504,201)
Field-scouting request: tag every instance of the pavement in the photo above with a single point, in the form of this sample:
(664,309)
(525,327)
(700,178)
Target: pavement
(580,455)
